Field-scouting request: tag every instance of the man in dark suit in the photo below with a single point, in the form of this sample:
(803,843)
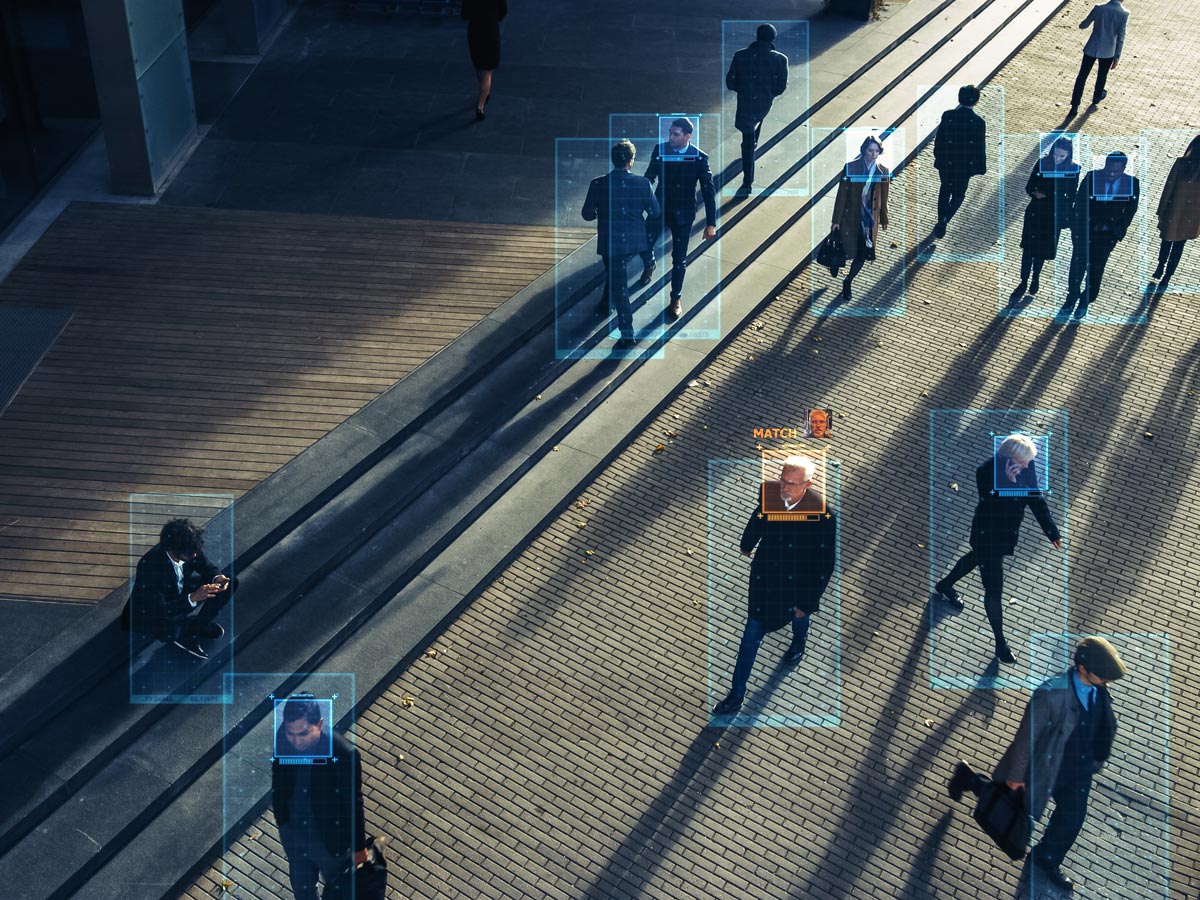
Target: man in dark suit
(1065,736)
(757,74)
(679,168)
(1007,485)
(959,152)
(318,808)
(791,569)
(177,593)
(1104,208)
(617,203)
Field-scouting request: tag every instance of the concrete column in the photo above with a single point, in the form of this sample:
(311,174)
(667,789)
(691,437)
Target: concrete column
(144,85)
(248,23)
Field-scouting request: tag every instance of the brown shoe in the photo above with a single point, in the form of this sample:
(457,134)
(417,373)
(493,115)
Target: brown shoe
(675,310)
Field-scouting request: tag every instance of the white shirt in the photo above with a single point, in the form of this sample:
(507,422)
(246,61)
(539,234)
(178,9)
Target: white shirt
(178,567)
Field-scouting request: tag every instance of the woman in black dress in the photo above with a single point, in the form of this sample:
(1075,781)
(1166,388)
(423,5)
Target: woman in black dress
(483,39)
(1051,189)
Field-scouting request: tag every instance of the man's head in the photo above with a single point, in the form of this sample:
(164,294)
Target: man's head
(1115,163)
(623,154)
(680,134)
(1018,448)
(968,95)
(181,539)
(1097,662)
(766,32)
(818,422)
(796,477)
(302,725)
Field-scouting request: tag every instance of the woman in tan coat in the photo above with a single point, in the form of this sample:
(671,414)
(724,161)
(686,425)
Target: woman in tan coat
(861,207)
(1178,212)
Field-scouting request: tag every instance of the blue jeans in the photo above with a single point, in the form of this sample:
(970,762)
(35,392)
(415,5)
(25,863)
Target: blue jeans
(751,639)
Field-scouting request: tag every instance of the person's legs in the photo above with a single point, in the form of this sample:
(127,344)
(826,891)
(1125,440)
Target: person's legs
(485,86)
(618,290)
(1164,253)
(1079,256)
(1070,808)
(991,571)
(681,236)
(747,653)
(1036,284)
(800,626)
(943,200)
(1176,254)
(1099,252)
(603,308)
(749,145)
(1085,69)
(654,228)
(303,866)
(957,191)
(1101,79)
(961,568)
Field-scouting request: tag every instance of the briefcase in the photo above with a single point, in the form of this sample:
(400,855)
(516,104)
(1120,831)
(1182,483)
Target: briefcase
(1001,813)
(831,254)
(367,882)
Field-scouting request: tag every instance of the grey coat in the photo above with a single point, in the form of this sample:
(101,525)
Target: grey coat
(1108,32)
(1036,753)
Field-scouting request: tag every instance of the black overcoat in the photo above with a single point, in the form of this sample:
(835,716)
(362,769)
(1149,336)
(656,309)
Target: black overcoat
(757,74)
(1047,217)
(996,524)
(336,798)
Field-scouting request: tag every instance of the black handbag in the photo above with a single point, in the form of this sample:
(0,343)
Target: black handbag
(365,882)
(831,254)
(1001,813)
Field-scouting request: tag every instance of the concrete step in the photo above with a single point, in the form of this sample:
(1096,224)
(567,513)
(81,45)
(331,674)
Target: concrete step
(408,573)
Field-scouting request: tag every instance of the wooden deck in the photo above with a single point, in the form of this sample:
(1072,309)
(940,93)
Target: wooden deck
(208,348)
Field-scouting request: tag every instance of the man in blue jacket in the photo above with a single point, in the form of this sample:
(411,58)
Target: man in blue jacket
(619,203)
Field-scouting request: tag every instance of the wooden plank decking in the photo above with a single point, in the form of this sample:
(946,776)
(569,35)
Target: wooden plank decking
(208,348)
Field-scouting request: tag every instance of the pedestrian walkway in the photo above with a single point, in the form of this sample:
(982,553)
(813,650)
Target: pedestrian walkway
(555,744)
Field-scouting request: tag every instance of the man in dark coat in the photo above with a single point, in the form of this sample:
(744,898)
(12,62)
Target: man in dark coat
(758,74)
(679,168)
(177,593)
(1104,207)
(318,808)
(1065,737)
(618,203)
(791,569)
(1007,485)
(959,152)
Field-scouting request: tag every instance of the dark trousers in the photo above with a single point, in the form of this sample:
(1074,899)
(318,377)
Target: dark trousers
(749,145)
(1169,254)
(991,572)
(616,289)
(681,236)
(1070,807)
(1089,253)
(187,625)
(1085,69)
(950,195)
(1030,265)
(306,857)
(752,637)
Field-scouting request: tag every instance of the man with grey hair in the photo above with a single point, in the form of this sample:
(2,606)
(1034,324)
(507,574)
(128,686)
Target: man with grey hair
(792,566)
(1007,484)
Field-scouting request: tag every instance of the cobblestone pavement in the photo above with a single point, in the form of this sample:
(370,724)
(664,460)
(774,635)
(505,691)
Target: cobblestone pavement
(557,745)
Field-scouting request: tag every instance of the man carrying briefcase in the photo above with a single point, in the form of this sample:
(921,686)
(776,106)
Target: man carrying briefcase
(1065,737)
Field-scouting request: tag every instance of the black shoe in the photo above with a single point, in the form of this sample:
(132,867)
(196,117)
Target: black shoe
(1017,294)
(744,190)
(647,275)
(949,594)
(1004,653)
(795,652)
(479,116)
(625,343)
(1096,100)
(1073,111)
(939,230)
(1158,273)
(963,780)
(1034,285)
(210,631)
(1052,873)
(846,290)
(188,644)
(1081,310)
(675,310)
(729,706)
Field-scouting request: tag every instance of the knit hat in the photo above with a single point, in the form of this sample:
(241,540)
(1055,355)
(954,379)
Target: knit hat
(1100,658)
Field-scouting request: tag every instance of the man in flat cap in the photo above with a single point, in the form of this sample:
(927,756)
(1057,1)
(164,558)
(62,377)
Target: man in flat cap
(1065,736)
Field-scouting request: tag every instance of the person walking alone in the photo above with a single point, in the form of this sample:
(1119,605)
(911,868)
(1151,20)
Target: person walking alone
(483,19)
